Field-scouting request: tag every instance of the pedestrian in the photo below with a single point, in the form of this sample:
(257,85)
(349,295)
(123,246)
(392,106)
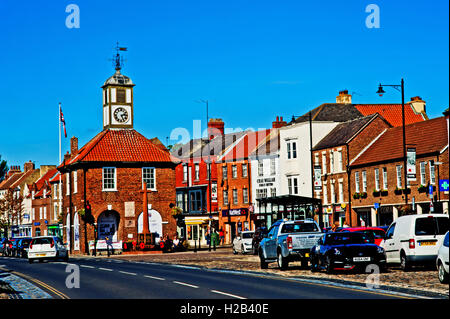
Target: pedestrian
(107,245)
(346,225)
(221,236)
(175,243)
(208,238)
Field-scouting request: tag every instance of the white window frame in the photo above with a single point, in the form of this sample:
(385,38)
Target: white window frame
(196,171)
(324,163)
(377,179)
(273,169)
(325,193)
(109,189)
(234,170)
(225,197)
(75,182)
(293,185)
(245,195)
(185,173)
(341,191)
(144,177)
(398,172)
(423,175)
(357,181)
(291,149)
(244,170)
(260,168)
(333,193)
(385,178)
(364,181)
(432,173)
(235,197)
(67,184)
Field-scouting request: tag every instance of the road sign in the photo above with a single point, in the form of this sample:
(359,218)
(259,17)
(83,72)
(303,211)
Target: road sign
(444,185)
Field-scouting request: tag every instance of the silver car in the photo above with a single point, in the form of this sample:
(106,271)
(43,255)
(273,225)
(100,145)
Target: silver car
(243,242)
(442,261)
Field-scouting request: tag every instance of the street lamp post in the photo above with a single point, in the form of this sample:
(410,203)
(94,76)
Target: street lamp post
(400,88)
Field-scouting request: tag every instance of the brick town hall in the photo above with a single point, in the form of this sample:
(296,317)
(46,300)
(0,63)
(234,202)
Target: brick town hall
(108,174)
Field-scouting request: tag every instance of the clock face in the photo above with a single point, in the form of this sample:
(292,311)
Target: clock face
(121,115)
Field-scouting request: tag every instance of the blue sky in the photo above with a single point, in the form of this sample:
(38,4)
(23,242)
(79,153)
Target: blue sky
(253,60)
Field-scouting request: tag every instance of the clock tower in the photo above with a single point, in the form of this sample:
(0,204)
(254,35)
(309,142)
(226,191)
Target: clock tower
(118,100)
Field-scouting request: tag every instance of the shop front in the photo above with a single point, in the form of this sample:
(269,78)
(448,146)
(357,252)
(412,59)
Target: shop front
(197,228)
(234,221)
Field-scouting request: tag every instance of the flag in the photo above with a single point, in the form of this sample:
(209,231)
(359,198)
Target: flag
(61,118)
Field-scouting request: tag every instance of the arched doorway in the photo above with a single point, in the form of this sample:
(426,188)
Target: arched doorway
(108,225)
(154,224)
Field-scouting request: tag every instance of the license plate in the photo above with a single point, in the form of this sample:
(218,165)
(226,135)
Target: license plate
(307,255)
(361,258)
(40,255)
(427,243)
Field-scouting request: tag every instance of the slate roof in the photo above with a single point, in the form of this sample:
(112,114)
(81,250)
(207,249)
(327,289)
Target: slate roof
(198,148)
(339,112)
(343,132)
(245,146)
(428,137)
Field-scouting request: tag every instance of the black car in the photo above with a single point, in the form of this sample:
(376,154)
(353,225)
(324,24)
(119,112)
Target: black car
(259,234)
(346,251)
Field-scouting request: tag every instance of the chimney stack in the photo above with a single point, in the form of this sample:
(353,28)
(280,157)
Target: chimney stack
(344,97)
(28,166)
(73,145)
(66,156)
(418,105)
(279,122)
(215,128)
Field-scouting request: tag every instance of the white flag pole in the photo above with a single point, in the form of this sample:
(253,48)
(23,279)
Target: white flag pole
(59,163)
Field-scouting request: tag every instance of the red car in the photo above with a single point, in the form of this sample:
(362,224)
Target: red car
(376,232)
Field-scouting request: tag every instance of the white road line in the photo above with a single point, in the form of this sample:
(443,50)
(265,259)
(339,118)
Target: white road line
(127,273)
(185,284)
(227,294)
(153,277)
(86,266)
(106,269)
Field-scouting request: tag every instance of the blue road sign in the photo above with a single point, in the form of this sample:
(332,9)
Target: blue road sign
(430,189)
(444,185)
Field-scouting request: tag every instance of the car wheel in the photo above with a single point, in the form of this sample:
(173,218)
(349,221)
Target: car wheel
(66,259)
(329,267)
(443,276)
(242,250)
(262,262)
(282,262)
(314,267)
(404,264)
(234,250)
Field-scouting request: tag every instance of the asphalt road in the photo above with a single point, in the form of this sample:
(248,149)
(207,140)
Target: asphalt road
(108,278)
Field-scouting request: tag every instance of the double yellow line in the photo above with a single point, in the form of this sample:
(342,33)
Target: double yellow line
(43,285)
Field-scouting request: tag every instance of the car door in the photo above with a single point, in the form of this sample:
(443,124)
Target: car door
(388,244)
(270,243)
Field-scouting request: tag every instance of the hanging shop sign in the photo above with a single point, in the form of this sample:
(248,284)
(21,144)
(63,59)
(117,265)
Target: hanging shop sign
(411,163)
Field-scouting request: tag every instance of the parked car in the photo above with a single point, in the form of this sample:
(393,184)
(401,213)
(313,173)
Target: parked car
(7,247)
(259,234)
(377,232)
(442,261)
(346,251)
(22,247)
(415,239)
(289,241)
(47,247)
(243,242)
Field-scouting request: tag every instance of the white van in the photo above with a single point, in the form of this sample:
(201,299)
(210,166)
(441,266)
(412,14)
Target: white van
(415,239)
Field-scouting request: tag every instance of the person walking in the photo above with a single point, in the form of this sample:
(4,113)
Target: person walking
(221,236)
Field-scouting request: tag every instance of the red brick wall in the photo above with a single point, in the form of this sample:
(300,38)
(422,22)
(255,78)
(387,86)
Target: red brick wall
(129,185)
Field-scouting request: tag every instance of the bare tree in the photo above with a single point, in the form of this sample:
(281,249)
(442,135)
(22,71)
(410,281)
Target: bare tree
(11,209)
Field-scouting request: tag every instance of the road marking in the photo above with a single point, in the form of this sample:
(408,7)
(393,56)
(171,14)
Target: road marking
(227,294)
(185,284)
(106,269)
(128,273)
(86,266)
(44,285)
(153,277)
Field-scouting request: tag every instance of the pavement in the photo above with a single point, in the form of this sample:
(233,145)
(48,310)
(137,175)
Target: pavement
(15,287)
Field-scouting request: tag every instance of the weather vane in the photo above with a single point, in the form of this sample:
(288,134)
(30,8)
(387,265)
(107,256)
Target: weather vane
(118,59)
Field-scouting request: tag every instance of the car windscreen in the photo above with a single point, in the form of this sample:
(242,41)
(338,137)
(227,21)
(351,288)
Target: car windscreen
(348,238)
(42,241)
(299,228)
(247,235)
(431,226)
